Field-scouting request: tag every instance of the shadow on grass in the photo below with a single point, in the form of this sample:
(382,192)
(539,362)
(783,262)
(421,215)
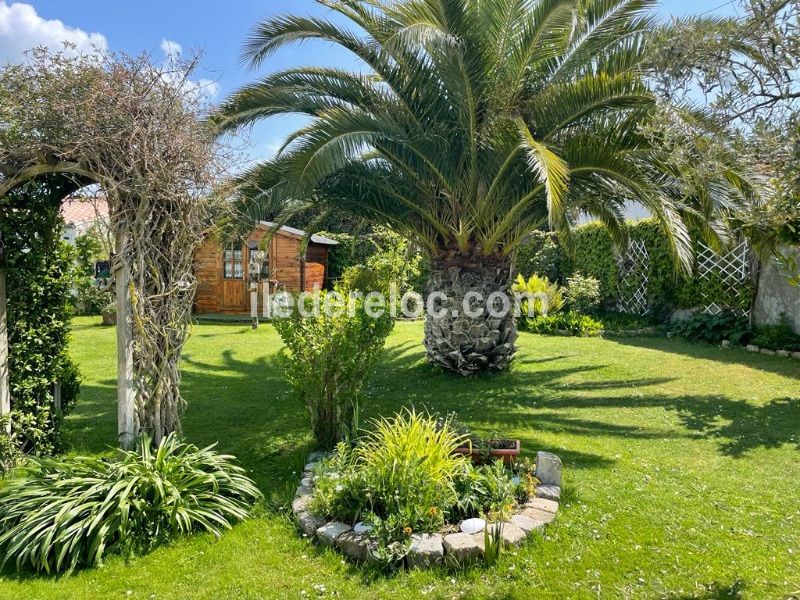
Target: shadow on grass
(714,591)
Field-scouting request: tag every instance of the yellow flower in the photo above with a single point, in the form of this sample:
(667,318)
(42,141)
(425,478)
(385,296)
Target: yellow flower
(407,530)
(433,510)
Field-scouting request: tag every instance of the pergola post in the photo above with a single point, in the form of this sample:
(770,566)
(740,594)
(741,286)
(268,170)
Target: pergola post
(5,391)
(125,392)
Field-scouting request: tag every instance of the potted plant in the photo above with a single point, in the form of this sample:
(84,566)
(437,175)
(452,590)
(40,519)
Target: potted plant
(109,314)
(483,450)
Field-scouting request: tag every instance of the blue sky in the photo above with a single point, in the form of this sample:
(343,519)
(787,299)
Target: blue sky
(217,28)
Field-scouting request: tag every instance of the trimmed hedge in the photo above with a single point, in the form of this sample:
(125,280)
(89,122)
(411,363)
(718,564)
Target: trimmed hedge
(595,255)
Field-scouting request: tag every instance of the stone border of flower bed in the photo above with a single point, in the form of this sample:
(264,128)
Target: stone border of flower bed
(430,549)
(767,351)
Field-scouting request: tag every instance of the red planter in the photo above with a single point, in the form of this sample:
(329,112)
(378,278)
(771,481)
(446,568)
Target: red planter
(509,455)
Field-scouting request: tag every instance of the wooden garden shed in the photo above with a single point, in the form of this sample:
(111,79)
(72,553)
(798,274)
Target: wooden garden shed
(222,272)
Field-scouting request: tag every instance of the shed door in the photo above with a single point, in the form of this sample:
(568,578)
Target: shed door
(234,279)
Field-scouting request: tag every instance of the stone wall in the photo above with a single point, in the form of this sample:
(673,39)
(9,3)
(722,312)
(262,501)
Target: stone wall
(776,297)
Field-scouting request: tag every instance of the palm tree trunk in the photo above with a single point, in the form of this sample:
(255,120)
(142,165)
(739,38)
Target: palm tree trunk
(479,341)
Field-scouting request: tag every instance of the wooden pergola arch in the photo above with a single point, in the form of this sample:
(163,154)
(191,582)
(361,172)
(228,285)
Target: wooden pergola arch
(134,128)
(73,177)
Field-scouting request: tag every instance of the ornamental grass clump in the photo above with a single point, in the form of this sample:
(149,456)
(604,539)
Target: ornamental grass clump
(68,513)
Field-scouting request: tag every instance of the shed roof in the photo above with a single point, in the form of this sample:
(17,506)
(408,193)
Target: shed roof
(299,233)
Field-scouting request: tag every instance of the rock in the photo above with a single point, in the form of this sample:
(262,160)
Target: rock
(783,353)
(362,527)
(512,534)
(464,547)
(303,490)
(300,504)
(767,352)
(309,466)
(316,456)
(472,525)
(329,532)
(426,550)
(726,343)
(306,482)
(541,516)
(526,523)
(548,492)
(548,468)
(354,545)
(751,348)
(309,522)
(542,504)
(795,354)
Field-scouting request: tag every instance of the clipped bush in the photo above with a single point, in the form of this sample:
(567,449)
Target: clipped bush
(68,513)
(583,294)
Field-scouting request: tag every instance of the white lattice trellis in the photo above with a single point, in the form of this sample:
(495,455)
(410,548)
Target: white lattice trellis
(633,267)
(731,269)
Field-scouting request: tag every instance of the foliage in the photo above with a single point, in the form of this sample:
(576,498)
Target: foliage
(547,297)
(330,354)
(492,543)
(473,125)
(703,327)
(485,490)
(89,299)
(777,337)
(68,513)
(616,321)
(134,127)
(583,294)
(568,322)
(403,476)
(394,265)
(540,253)
(40,276)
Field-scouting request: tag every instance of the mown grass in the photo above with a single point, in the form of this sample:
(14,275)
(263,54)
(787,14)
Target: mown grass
(682,465)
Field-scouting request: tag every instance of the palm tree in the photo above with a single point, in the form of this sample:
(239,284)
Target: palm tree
(473,122)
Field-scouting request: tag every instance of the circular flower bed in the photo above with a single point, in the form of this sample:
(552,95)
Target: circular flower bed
(403,496)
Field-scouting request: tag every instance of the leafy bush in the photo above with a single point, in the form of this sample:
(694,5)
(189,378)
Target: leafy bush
(566,322)
(40,278)
(486,489)
(331,352)
(404,477)
(777,337)
(540,253)
(712,329)
(88,298)
(541,288)
(583,294)
(615,321)
(68,513)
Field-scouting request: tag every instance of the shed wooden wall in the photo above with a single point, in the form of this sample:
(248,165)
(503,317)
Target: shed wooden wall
(216,294)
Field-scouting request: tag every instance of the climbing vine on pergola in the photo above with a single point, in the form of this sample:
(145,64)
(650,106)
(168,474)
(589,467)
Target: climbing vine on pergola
(135,129)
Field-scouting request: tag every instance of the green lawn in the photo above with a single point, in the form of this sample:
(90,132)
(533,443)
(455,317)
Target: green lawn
(682,470)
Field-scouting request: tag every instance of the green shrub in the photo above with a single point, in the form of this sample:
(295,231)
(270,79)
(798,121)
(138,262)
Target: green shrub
(566,322)
(712,329)
(485,490)
(540,253)
(331,352)
(68,513)
(540,286)
(583,294)
(616,321)
(40,279)
(777,337)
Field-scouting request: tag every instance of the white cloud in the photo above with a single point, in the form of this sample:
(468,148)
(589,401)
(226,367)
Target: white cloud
(204,87)
(21,29)
(172,50)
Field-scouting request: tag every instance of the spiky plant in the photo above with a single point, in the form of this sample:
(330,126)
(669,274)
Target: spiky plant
(473,122)
(72,512)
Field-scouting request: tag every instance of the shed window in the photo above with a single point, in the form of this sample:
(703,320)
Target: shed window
(233,263)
